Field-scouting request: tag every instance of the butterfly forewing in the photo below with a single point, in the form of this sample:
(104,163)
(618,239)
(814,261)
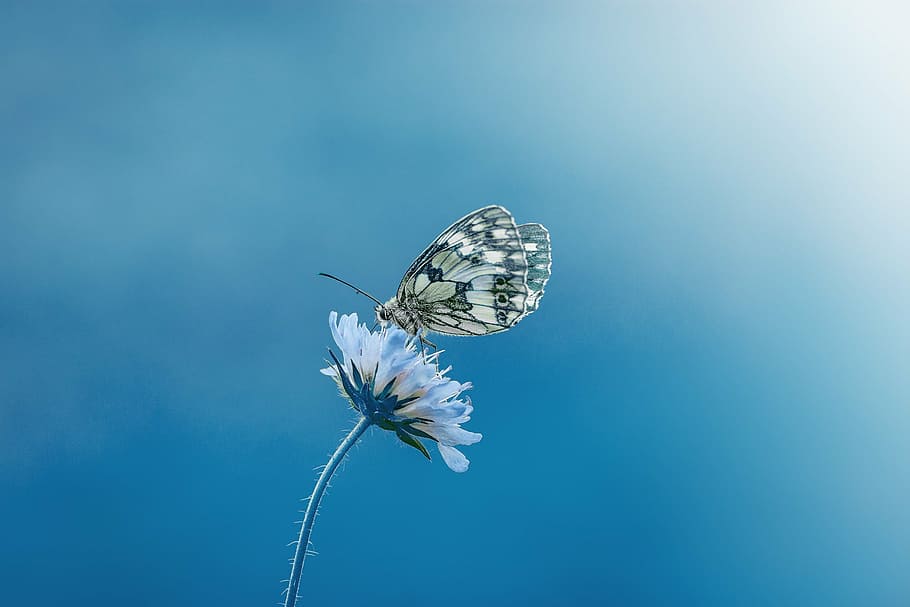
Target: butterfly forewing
(472,280)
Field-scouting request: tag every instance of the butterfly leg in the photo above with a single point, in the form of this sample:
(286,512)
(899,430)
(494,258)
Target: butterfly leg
(426,342)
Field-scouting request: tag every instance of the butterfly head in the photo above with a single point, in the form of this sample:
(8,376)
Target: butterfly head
(390,312)
(383,315)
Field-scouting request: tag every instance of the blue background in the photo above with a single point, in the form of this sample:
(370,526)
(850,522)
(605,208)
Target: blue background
(710,406)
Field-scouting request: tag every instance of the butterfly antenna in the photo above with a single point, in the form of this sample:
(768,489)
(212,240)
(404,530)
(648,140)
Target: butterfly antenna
(344,282)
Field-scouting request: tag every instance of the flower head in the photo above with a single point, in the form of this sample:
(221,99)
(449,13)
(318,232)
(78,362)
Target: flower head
(393,385)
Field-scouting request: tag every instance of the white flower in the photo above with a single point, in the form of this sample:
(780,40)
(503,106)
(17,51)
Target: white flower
(393,385)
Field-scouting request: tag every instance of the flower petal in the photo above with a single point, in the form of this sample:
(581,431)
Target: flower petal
(454,458)
(434,402)
(450,434)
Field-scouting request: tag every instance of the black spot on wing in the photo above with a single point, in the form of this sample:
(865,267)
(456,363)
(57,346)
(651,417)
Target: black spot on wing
(434,274)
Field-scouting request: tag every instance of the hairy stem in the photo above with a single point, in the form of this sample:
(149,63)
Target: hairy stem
(306,528)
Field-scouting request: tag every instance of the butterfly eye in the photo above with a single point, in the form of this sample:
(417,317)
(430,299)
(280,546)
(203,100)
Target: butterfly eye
(500,281)
(502,298)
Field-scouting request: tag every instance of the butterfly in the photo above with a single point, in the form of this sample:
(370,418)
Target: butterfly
(482,275)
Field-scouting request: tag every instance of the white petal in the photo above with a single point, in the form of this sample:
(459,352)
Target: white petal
(434,404)
(450,435)
(394,358)
(439,415)
(414,380)
(454,458)
(348,337)
(370,350)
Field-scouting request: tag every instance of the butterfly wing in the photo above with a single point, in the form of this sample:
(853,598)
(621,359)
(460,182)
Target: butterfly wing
(535,239)
(472,279)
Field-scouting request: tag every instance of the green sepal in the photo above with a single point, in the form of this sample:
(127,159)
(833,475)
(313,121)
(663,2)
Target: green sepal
(358,380)
(386,390)
(411,430)
(410,440)
(386,424)
(405,401)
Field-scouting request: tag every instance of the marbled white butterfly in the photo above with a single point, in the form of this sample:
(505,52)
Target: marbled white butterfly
(482,275)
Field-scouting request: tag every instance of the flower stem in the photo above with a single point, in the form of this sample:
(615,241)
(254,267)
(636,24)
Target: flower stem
(306,528)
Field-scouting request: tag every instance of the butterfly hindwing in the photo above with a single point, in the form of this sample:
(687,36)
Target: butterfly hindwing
(472,280)
(535,239)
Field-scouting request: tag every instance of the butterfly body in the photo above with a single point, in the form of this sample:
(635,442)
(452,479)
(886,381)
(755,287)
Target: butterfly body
(482,275)
(406,318)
